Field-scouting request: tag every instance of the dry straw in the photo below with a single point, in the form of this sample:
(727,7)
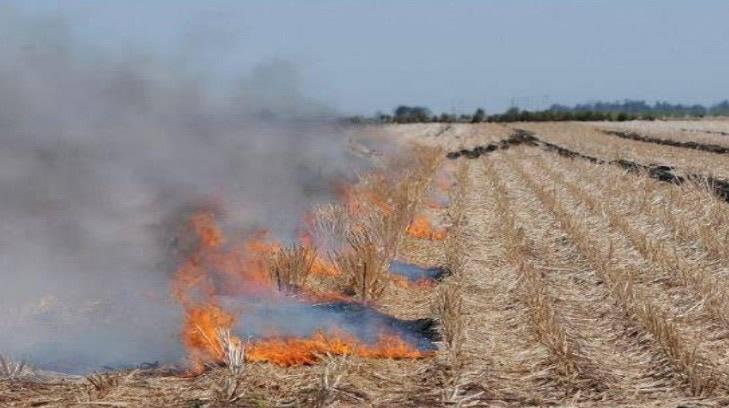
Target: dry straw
(290,267)
(364,264)
(680,351)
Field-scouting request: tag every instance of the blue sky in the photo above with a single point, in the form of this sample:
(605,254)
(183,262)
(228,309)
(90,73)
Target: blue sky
(361,56)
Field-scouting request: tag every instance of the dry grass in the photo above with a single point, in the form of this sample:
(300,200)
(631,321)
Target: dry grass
(572,285)
(550,331)
(662,254)
(372,240)
(448,307)
(588,140)
(234,352)
(364,262)
(290,267)
(680,351)
(103,384)
(331,388)
(12,370)
(331,222)
(454,245)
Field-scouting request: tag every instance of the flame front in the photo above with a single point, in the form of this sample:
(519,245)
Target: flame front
(215,267)
(200,333)
(289,352)
(422,228)
(403,282)
(209,271)
(360,199)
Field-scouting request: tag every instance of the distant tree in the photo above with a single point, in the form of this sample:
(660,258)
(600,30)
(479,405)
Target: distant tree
(446,118)
(721,108)
(478,116)
(411,114)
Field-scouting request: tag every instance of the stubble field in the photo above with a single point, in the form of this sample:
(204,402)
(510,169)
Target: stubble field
(582,267)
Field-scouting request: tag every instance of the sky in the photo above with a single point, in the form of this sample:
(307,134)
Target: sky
(360,57)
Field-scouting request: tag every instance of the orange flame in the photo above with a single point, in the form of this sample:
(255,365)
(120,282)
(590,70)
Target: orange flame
(289,352)
(200,333)
(359,199)
(423,229)
(323,267)
(199,279)
(216,267)
(406,283)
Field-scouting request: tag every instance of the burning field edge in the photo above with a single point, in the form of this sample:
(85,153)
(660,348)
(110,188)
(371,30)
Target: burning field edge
(258,311)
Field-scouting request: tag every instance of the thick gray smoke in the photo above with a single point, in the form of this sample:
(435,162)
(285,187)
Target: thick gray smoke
(98,150)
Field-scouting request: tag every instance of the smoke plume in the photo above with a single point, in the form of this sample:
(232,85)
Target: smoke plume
(100,153)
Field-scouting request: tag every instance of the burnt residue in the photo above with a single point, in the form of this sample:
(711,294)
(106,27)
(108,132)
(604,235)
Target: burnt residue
(443,130)
(520,137)
(704,147)
(660,172)
(562,151)
(710,132)
(422,333)
(416,273)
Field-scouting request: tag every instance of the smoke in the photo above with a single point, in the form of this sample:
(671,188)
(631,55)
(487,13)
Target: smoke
(278,316)
(99,151)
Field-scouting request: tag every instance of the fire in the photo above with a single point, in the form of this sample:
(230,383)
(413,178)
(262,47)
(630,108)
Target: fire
(406,283)
(320,266)
(207,230)
(422,228)
(210,270)
(361,198)
(216,266)
(289,352)
(200,333)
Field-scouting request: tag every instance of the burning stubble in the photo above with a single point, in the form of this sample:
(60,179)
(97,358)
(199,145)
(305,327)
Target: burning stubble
(104,157)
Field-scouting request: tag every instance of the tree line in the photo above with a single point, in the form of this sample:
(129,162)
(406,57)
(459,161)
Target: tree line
(596,111)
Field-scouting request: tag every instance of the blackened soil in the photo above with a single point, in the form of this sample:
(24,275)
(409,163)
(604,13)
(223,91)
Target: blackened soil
(704,147)
(660,172)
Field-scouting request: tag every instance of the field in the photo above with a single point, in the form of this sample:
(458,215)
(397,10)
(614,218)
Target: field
(584,268)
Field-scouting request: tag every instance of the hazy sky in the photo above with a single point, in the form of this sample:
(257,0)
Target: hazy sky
(363,56)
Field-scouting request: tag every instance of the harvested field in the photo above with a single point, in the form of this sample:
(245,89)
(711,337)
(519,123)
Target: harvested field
(559,266)
(706,147)
(591,141)
(704,131)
